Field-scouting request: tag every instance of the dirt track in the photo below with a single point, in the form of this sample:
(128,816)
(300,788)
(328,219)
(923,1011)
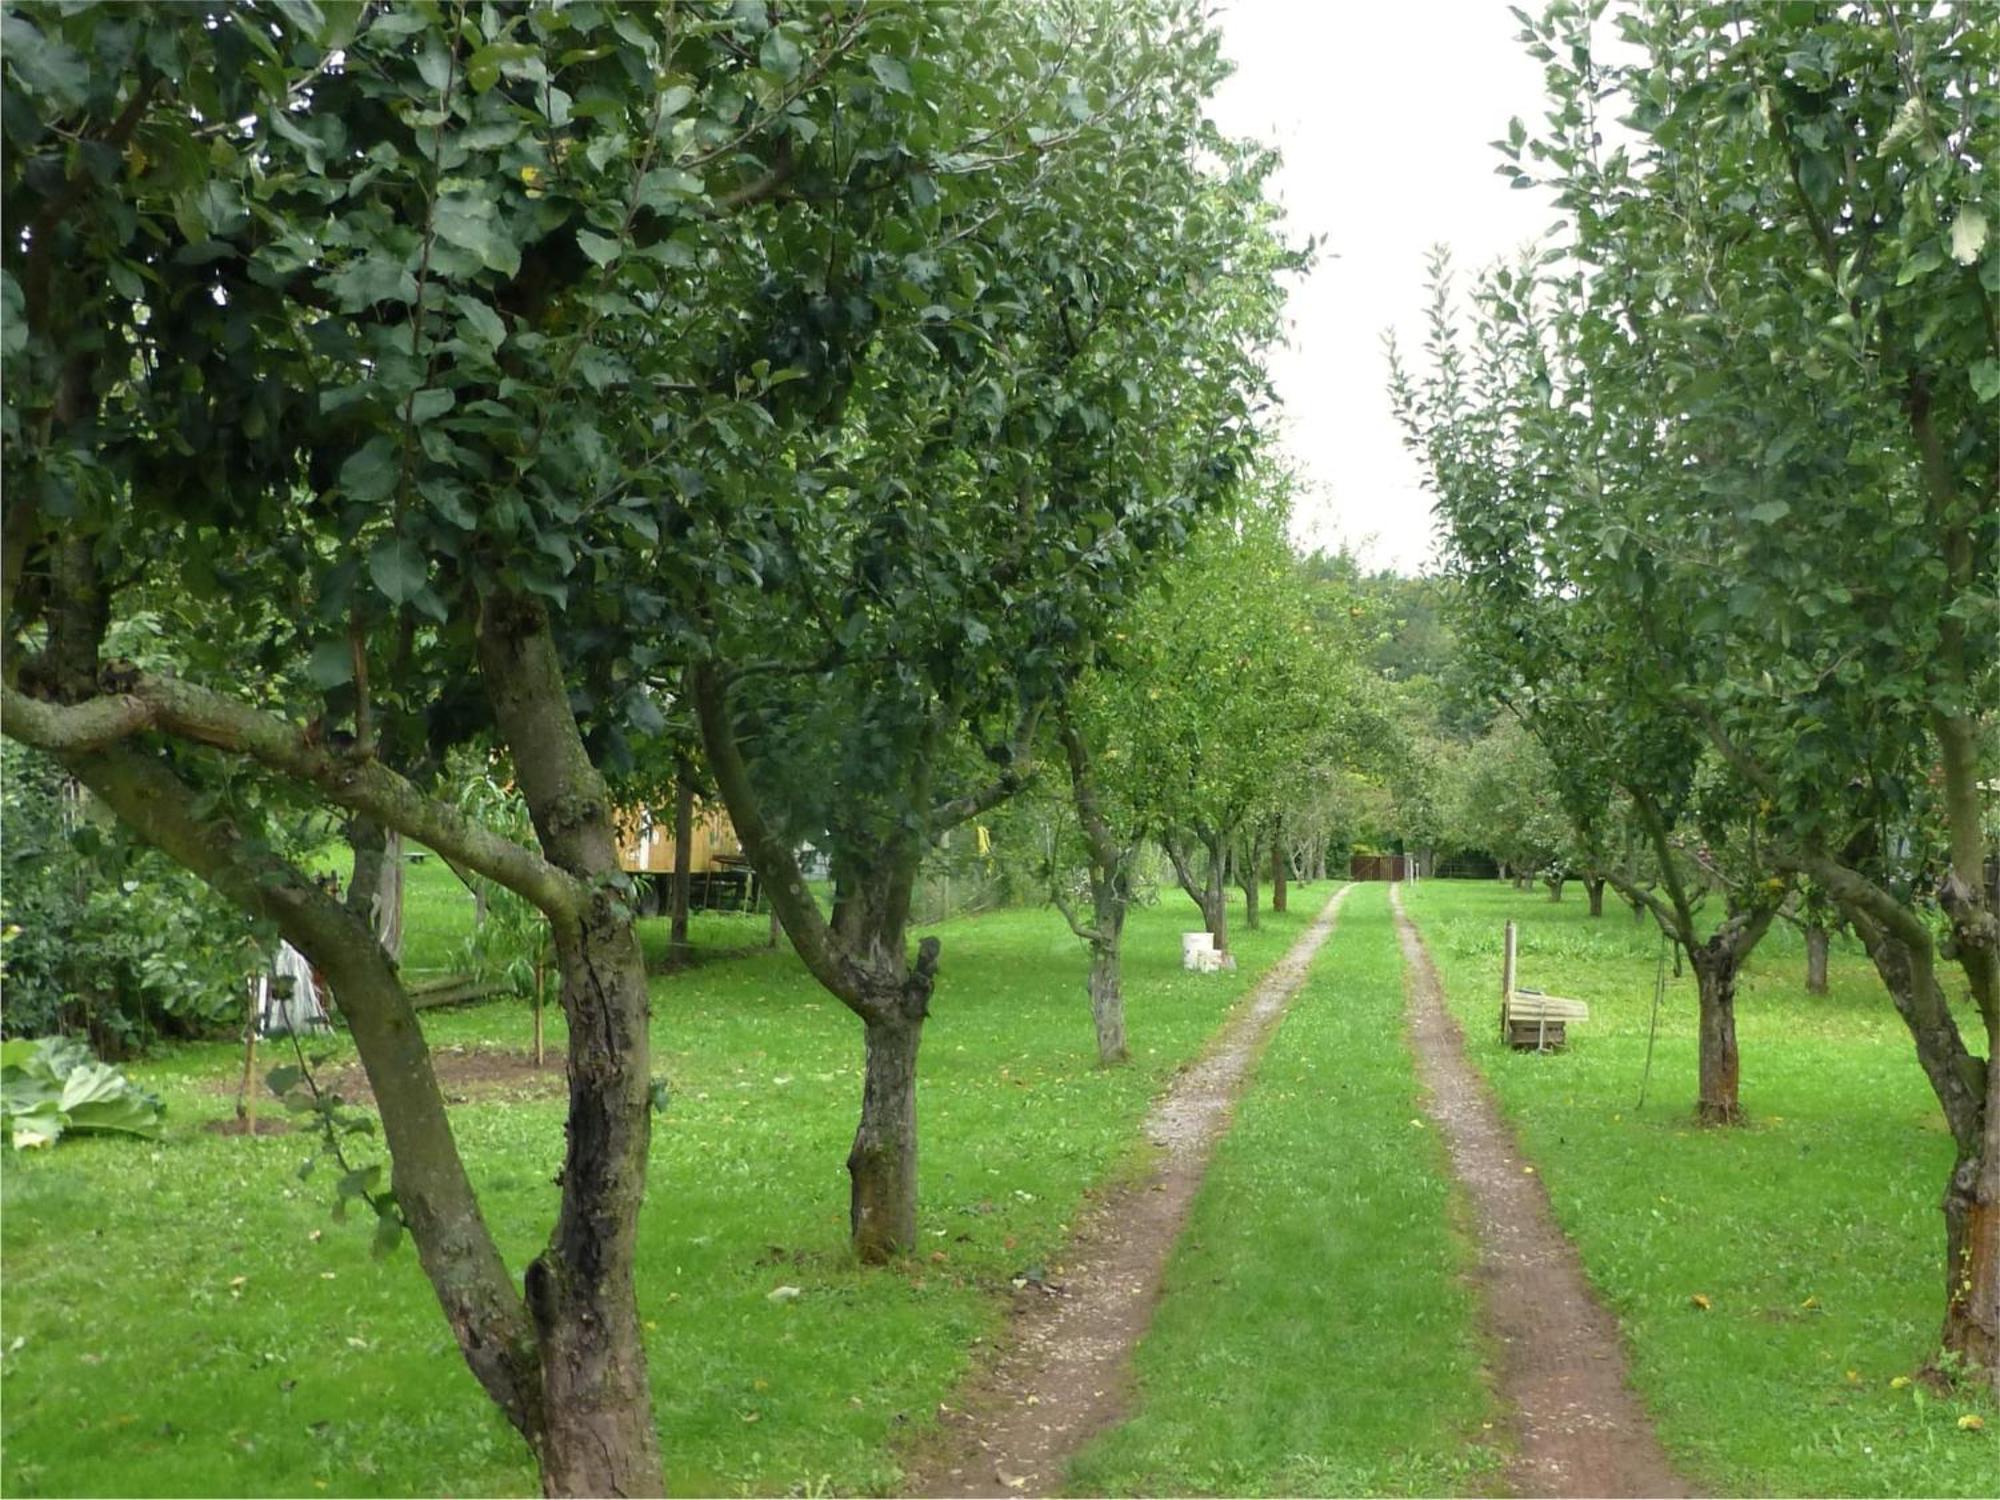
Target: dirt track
(1579,1428)
(1062,1374)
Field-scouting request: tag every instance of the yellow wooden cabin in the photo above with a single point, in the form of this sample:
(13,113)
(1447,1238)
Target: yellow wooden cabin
(719,874)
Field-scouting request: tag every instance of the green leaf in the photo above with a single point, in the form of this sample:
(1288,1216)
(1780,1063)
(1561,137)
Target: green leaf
(282,1080)
(399,568)
(376,277)
(485,324)
(779,54)
(331,664)
(370,471)
(487,64)
(388,1232)
(665,189)
(431,402)
(1968,235)
(890,73)
(601,249)
(1985,375)
(13,315)
(49,68)
(473,224)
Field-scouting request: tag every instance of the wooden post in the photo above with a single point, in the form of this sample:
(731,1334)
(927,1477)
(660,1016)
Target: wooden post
(1506,979)
(246,1098)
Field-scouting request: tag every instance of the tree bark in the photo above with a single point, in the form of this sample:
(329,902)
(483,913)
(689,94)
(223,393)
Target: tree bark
(1107,988)
(677,932)
(1594,887)
(1279,866)
(1110,897)
(376,889)
(882,1166)
(1215,904)
(600,1436)
(1248,870)
(427,1175)
(1816,954)
(1555,887)
(1715,979)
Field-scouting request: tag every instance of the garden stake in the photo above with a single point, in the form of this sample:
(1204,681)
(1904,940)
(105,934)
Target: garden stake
(1659,990)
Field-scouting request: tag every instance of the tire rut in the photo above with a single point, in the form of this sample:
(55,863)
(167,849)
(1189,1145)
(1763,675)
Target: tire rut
(1062,1372)
(1580,1429)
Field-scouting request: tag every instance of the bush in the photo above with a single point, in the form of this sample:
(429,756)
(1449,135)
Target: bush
(103,936)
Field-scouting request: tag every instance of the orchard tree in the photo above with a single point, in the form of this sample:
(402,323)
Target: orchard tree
(1231,687)
(1054,385)
(1544,476)
(1782,293)
(410,351)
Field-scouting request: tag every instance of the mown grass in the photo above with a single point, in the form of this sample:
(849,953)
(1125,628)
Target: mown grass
(438,917)
(1316,1337)
(1813,1234)
(185,1318)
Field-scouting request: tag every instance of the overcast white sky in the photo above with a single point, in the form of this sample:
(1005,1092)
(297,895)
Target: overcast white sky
(1383,110)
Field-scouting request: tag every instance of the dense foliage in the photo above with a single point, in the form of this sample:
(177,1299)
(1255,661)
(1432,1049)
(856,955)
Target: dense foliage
(100,935)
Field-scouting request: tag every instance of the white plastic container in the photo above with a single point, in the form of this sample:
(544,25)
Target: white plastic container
(1193,946)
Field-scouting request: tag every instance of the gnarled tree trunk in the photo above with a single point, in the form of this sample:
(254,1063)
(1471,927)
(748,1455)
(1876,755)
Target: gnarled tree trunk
(1715,979)
(581,1290)
(600,1437)
(882,1166)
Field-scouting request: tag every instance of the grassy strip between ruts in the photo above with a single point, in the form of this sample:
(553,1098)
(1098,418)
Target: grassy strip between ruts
(1812,1238)
(185,1318)
(1317,1336)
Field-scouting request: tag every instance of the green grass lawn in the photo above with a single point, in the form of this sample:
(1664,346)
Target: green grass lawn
(438,911)
(1317,1336)
(185,1318)
(1814,1234)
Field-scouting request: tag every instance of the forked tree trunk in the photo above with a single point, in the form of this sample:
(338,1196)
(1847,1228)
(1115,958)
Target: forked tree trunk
(1215,903)
(1816,954)
(599,1435)
(1720,1069)
(1594,888)
(882,1166)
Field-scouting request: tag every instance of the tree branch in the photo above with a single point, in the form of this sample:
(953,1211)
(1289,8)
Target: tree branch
(1020,768)
(203,716)
(815,941)
(427,1174)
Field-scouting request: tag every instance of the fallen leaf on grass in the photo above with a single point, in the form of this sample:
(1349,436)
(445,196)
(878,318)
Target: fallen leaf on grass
(1700,1301)
(782,1294)
(1971,1423)
(1897,1382)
